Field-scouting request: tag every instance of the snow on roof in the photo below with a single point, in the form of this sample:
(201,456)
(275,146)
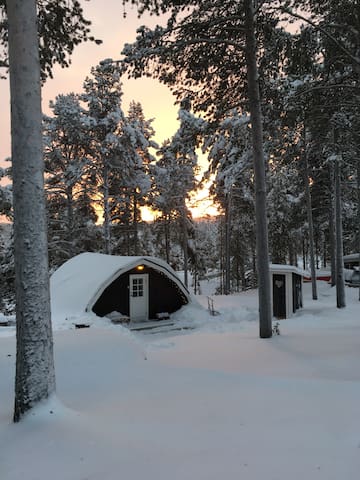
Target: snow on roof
(351,257)
(288,269)
(80,281)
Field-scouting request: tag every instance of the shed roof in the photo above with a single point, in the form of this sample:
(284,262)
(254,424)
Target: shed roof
(351,257)
(80,281)
(274,267)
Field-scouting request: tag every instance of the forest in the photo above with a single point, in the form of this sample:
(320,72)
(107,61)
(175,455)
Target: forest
(102,164)
(268,92)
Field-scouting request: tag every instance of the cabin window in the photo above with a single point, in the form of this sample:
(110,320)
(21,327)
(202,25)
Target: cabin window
(138,287)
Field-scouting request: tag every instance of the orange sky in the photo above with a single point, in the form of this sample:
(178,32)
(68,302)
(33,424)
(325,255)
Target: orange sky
(109,25)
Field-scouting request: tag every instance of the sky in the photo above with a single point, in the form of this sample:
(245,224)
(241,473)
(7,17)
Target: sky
(207,402)
(109,25)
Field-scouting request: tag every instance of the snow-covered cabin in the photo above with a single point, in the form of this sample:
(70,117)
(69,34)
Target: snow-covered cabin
(140,288)
(286,286)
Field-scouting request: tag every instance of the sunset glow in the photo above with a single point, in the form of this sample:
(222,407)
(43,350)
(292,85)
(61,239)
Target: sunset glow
(201,205)
(109,25)
(156,99)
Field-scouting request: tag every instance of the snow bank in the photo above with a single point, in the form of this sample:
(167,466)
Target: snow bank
(201,403)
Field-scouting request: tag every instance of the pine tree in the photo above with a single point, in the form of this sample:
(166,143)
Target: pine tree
(67,165)
(138,134)
(212,52)
(61,26)
(35,377)
(120,154)
(166,195)
(5,196)
(7,270)
(175,178)
(230,162)
(102,97)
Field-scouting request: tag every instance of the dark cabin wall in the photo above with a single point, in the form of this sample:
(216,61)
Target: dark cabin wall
(164,294)
(297,292)
(115,297)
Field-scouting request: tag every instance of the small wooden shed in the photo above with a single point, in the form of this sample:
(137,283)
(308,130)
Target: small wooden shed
(139,288)
(287,292)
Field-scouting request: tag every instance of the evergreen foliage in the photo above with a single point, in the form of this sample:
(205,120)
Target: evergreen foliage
(61,27)
(103,166)
(71,215)
(5,195)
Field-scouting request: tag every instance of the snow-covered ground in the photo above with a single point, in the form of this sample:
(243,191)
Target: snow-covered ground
(211,402)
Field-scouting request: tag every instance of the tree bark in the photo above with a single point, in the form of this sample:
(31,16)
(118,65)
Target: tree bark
(332,239)
(265,316)
(358,212)
(35,375)
(70,221)
(135,225)
(106,226)
(185,243)
(340,283)
(227,242)
(167,237)
(310,221)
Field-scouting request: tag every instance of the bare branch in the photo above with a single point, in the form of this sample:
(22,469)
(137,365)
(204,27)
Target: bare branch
(326,87)
(195,41)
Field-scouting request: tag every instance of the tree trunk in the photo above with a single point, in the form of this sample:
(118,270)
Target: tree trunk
(70,221)
(135,226)
(304,253)
(185,244)
(358,212)
(167,237)
(340,283)
(221,257)
(106,227)
(316,239)
(262,246)
(242,274)
(332,242)
(227,242)
(310,222)
(35,375)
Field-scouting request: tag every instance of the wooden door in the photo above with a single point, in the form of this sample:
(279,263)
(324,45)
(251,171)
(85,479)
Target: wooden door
(139,297)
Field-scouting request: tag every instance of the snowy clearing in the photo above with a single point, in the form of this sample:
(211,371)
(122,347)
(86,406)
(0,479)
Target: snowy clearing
(207,403)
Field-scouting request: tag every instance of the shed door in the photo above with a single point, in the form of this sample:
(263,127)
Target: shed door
(279,296)
(139,297)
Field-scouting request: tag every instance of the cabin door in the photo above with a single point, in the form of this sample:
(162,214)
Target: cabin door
(139,297)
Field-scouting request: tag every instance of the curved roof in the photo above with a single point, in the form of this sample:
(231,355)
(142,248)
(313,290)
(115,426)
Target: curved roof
(79,282)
